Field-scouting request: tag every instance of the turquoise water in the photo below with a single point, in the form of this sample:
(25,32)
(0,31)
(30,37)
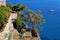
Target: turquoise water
(51,29)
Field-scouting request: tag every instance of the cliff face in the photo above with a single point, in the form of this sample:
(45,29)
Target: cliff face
(28,35)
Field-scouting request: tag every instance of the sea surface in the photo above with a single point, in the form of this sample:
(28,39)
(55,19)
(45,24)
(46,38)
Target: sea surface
(50,29)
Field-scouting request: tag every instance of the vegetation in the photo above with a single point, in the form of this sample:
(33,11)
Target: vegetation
(16,8)
(18,22)
(3,15)
(9,7)
(34,18)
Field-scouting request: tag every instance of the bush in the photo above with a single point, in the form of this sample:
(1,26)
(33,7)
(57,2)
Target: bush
(3,15)
(18,24)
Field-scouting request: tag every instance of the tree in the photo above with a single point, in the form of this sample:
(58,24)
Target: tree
(34,18)
(18,7)
(29,17)
(38,20)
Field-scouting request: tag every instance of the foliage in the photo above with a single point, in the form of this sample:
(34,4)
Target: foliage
(5,9)
(18,7)
(38,19)
(18,22)
(10,6)
(34,18)
(3,14)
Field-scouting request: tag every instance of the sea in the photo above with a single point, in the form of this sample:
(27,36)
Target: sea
(51,28)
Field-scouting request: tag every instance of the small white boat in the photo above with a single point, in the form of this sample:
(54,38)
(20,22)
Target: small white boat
(51,10)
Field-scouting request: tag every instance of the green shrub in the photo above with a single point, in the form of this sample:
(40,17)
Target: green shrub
(3,15)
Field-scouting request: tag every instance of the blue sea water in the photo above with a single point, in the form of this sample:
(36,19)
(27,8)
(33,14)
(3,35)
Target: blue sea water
(51,29)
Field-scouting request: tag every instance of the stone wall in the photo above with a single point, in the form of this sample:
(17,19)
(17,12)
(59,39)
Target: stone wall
(3,2)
